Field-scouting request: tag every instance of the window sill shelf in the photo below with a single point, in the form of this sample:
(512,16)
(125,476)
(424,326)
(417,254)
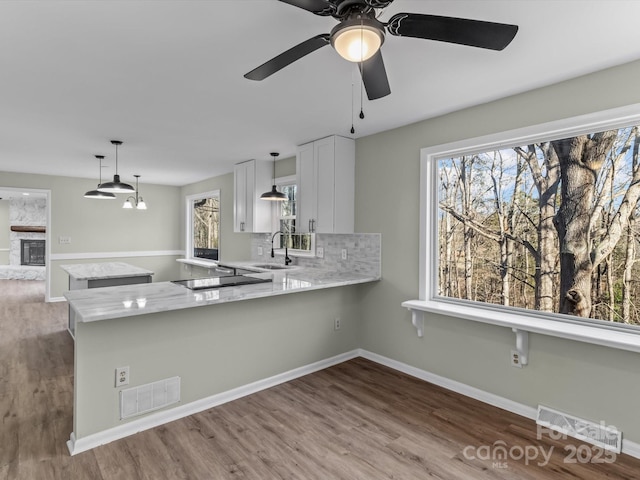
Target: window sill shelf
(523,325)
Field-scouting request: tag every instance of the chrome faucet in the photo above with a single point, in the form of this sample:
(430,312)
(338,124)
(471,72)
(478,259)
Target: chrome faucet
(287,260)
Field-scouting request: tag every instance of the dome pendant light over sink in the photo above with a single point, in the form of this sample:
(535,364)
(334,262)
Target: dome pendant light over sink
(274,194)
(97,193)
(116,186)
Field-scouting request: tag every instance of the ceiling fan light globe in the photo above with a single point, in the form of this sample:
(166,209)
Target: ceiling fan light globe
(357,42)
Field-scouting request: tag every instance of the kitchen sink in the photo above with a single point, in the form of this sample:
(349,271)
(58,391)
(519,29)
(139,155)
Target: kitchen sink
(270,266)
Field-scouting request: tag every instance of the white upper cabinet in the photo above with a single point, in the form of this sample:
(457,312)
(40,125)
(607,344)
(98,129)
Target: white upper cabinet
(250,213)
(325,171)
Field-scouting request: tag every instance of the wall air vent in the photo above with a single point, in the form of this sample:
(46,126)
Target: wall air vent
(147,398)
(597,434)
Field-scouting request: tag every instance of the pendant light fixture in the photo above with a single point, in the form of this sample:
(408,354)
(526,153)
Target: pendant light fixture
(137,200)
(116,186)
(97,193)
(274,194)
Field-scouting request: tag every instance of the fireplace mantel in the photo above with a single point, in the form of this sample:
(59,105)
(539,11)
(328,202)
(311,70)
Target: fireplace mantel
(28,228)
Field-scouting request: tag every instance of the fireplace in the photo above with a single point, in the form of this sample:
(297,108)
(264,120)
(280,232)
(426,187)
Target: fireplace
(32,252)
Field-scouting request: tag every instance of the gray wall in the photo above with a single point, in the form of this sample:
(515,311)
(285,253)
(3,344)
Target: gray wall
(4,232)
(589,381)
(233,246)
(104,226)
(212,348)
(286,167)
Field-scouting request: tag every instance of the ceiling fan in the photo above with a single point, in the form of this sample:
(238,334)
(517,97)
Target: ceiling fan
(360,34)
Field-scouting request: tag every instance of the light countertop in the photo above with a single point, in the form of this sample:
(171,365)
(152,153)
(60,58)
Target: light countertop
(98,271)
(125,301)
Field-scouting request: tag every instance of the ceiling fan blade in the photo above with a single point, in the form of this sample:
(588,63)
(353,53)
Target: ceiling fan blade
(319,7)
(374,77)
(286,58)
(474,33)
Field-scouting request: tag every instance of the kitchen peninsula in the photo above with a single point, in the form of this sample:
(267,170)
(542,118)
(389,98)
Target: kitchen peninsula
(95,275)
(215,344)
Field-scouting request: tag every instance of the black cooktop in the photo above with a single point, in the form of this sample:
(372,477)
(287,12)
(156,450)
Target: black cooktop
(219,282)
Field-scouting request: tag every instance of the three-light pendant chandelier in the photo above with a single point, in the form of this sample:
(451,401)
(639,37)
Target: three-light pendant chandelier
(106,191)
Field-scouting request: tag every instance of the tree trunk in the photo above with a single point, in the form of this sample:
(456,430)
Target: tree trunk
(580,160)
(465,182)
(611,290)
(547,186)
(627,276)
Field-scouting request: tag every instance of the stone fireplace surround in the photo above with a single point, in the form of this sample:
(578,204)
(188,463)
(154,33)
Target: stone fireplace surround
(24,211)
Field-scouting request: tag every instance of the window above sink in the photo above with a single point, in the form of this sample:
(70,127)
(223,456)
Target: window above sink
(284,220)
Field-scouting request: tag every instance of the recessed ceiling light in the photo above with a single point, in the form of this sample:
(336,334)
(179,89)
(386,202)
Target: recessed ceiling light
(25,194)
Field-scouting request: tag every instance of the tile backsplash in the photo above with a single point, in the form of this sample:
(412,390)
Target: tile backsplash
(363,252)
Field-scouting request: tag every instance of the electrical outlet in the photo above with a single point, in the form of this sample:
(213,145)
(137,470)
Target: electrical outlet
(515,359)
(344,254)
(337,323)
(122,376)
(260,251)
(64,240)
(320,252)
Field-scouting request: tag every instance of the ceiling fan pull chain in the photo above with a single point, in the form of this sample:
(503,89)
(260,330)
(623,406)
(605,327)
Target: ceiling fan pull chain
(361,92)
(360,67)
(361,80)
(353,130)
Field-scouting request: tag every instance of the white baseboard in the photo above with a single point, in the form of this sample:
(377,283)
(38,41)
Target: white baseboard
(79,445)
(463,389)
(631,448)
(628,447)
(56,299)
(83,444)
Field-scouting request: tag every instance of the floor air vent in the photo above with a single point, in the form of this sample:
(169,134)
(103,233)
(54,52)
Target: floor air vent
(149,397)
(598,434)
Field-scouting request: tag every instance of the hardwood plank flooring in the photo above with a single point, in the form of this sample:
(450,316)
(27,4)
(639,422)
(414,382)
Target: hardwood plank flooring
(357,420)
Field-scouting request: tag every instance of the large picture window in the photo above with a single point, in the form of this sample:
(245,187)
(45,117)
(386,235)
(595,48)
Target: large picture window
(546,223)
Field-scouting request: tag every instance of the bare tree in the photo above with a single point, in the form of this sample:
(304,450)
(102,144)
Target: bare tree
(546,178)
(581,159)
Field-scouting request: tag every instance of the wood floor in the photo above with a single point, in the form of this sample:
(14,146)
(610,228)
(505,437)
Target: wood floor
(357,420)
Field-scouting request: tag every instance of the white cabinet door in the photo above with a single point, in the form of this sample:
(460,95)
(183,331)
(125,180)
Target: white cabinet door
(240,197)
(250,213)
(306,180)
(324,155)
(326,183)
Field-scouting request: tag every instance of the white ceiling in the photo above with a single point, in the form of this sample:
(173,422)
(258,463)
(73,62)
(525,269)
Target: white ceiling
(166,77)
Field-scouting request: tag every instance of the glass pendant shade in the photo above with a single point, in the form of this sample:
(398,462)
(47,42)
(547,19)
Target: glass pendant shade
(357,40)
(116,186)
(136,201)
(97,194)
(274,194)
